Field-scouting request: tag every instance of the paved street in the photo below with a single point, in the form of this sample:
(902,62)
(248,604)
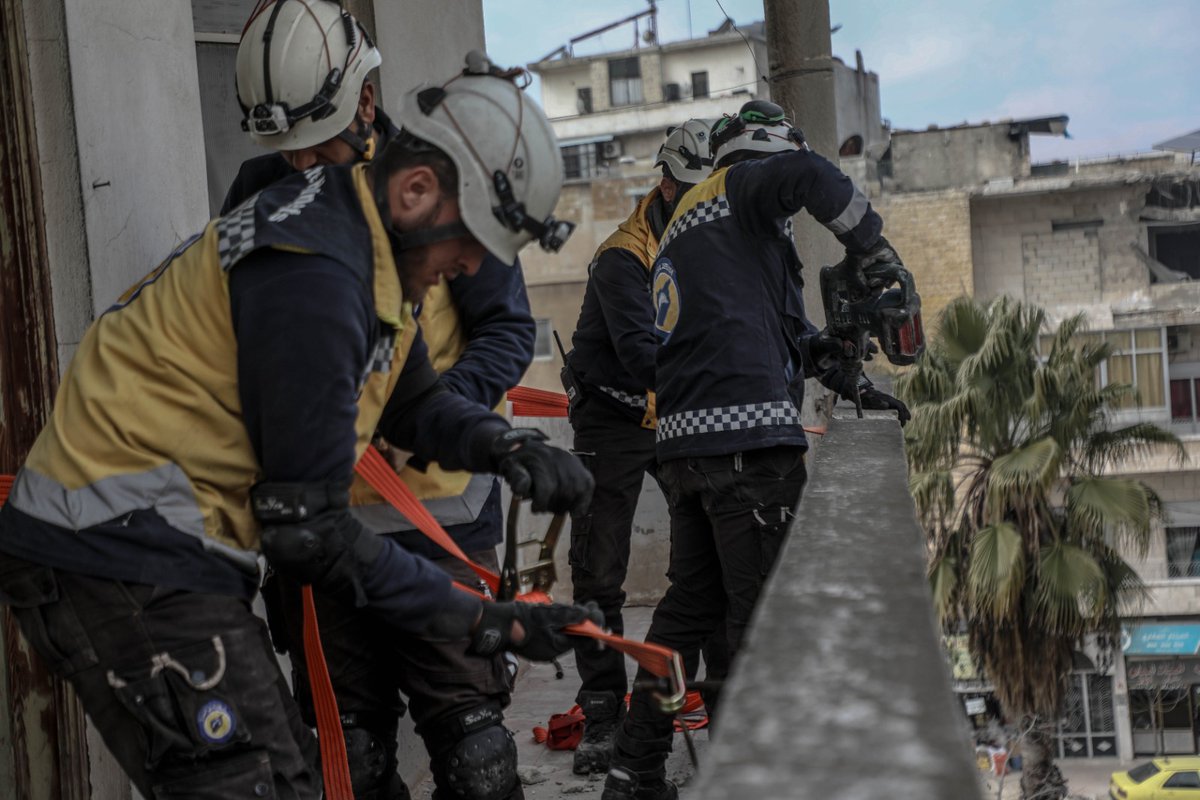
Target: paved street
(1087,779)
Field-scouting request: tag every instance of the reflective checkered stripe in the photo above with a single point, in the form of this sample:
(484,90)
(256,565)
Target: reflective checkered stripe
(235,235)
(634,400)
(728,418)
(706,211)
(384,353)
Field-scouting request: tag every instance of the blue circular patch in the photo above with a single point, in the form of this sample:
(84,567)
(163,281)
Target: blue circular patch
(665,292)
(216,722)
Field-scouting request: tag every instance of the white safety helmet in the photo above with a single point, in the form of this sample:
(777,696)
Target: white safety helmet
(759,127)
(509,166)
(685,153)
(300,69)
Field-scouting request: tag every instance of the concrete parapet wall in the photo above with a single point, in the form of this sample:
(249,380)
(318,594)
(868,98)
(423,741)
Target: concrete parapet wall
(842,690)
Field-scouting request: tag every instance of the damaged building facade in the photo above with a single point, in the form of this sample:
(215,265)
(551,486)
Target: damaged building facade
(1117,240)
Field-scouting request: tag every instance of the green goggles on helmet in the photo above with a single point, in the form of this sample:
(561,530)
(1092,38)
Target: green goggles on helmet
(756,112)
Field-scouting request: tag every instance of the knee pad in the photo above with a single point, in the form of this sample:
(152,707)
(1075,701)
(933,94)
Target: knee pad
(478,759)
(372,760)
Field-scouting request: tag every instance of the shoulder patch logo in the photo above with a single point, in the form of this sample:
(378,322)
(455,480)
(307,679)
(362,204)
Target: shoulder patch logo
(665,293)
(215,722)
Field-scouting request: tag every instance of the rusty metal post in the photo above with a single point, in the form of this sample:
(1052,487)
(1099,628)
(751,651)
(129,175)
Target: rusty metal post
(48,757)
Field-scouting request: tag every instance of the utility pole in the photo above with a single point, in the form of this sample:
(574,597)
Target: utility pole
(800,64)
(800,71)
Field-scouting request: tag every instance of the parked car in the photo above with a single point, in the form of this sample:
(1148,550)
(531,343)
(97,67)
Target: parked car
(1159,779)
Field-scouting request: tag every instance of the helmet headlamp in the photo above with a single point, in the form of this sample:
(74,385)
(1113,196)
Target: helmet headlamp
(550,233)
(274,118)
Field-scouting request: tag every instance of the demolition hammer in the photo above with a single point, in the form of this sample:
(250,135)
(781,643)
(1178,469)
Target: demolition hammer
(878,300)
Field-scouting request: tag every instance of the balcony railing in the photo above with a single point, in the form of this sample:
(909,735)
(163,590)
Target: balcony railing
(842,689)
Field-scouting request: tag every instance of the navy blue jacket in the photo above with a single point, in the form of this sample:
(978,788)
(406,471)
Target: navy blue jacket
(729,304)
(614,345)
(493,308)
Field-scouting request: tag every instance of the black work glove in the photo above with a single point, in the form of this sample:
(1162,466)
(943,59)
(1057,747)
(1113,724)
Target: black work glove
(554,479)
(831,370)
(329,551)
(544,638)
(881,253)
(876,400)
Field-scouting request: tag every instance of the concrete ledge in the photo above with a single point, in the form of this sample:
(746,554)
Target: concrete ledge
(842,691)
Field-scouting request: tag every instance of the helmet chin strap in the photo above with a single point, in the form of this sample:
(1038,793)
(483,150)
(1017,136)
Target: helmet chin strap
(408,240)
(361,139)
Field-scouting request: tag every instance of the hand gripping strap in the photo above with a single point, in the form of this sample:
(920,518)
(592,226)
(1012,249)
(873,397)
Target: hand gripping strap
(659,660)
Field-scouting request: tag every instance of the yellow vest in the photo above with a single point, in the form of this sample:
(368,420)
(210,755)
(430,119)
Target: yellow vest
(442,330)
(636,236)
(148,414)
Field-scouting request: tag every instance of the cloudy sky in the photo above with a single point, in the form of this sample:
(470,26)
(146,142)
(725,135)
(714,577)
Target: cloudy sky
(1124,73)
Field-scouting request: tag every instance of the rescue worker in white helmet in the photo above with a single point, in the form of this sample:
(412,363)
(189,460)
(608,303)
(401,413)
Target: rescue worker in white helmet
(735,349)
(480,337)
(609,376)
(215,413)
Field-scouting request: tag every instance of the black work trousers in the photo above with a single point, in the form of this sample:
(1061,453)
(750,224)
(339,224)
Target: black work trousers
(618,452)
(183,687)
(371,664)
(730,516)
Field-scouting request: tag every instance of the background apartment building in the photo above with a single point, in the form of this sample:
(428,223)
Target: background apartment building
(1118,240)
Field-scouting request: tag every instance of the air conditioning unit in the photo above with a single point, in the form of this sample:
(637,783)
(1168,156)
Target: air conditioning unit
(612,149)
(671,92)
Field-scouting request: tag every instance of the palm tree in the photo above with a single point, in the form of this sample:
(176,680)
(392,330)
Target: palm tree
(1007,453)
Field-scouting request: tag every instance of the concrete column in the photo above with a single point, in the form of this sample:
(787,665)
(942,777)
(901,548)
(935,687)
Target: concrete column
(598,72)
(424,41)
(801,73)
(1121,720)
(650,64)
(136,101)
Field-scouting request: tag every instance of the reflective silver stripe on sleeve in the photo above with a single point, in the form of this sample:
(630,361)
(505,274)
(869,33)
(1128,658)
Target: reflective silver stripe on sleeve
(165,489)
(851,215)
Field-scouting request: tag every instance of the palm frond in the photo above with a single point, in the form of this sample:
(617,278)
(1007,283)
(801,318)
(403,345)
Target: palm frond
(1025,471)
(996,572)
(1067,576)
(944,586)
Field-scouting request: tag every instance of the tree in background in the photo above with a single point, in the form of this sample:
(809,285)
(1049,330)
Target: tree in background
(1007,454)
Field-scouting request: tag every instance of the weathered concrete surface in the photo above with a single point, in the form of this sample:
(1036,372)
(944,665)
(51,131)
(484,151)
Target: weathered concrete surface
(842,692)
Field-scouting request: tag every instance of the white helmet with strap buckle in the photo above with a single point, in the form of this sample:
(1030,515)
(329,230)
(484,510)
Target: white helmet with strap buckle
(685,153)
(759,127)
(300,68)
(509,166)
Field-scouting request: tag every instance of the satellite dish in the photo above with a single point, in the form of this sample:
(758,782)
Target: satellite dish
(648,36)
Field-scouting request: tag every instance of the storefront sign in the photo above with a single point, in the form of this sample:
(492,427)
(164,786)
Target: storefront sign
(975,705)
(1161,640)
(1177,673)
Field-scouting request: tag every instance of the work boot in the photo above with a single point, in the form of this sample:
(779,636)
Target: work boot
(623,783)
(602,713)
